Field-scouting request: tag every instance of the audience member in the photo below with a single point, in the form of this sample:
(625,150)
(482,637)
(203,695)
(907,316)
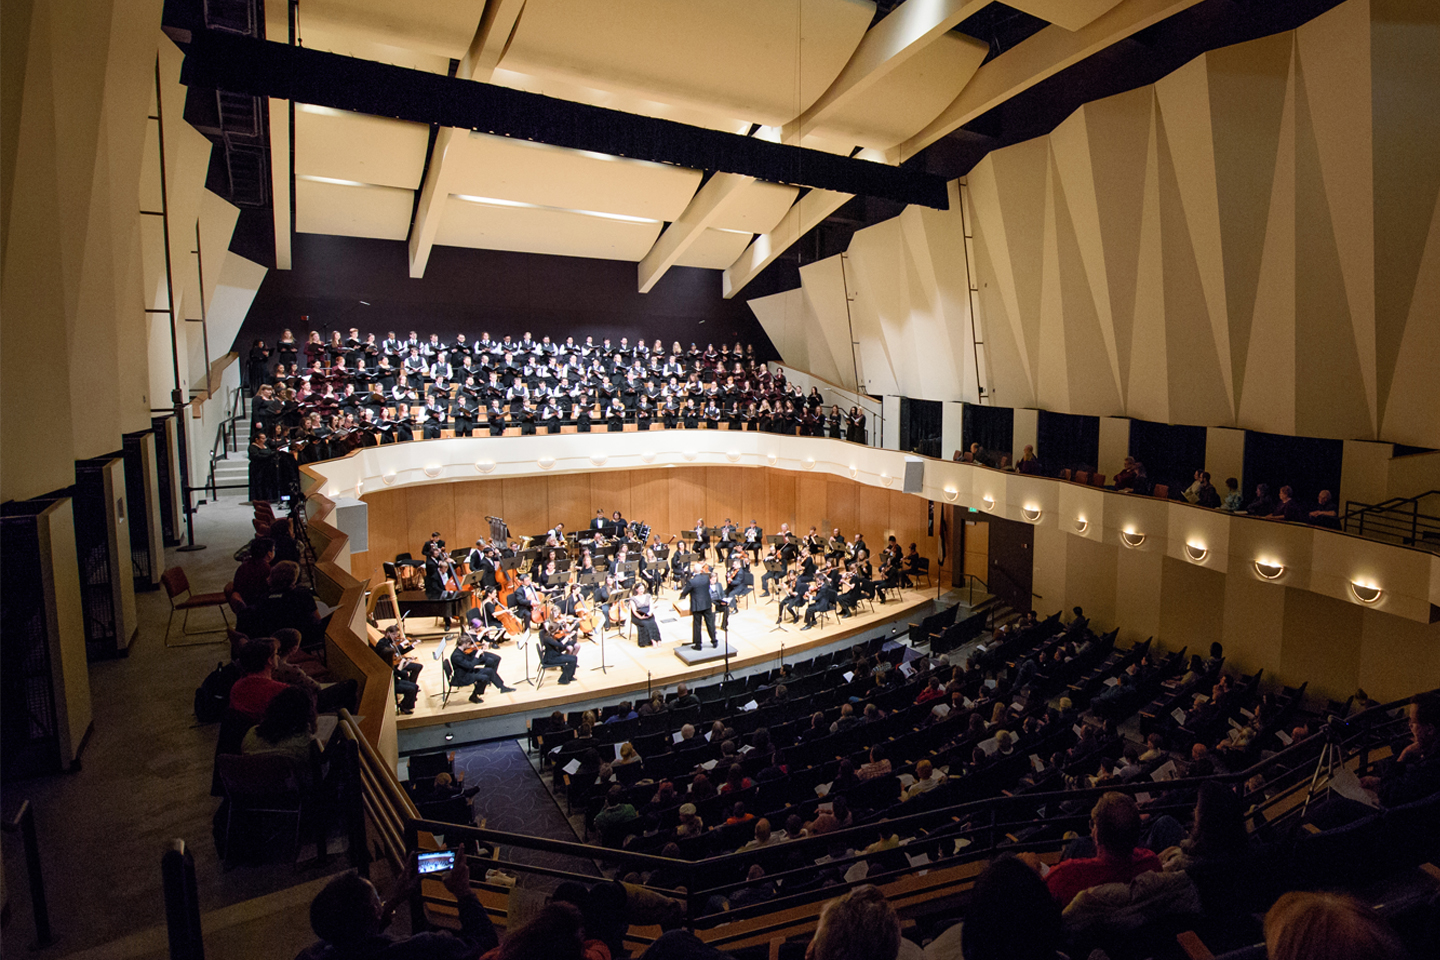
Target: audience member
(1011,916)
(1115,830)
(1306,925)
(287,730)
(252,577)
(252,693)
(861,925)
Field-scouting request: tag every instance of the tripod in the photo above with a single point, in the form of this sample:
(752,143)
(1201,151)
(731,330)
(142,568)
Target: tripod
(1332,756)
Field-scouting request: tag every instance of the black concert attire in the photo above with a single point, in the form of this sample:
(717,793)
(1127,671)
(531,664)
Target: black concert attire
(701,609)
(556,653)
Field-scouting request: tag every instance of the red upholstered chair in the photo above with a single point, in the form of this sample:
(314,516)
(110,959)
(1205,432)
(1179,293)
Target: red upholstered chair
(1082,476)
(177,591)
(1161,492)
(1098,480)
(1065,474)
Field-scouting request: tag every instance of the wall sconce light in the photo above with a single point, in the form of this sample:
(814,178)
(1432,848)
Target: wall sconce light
(854,471)
(648,456)
(732,455)
(1030,512)
(1195,551)
(1131,539)
(599,459)
(886,479)
(484,466)
(546,462)
(388,478)
(1365,592)
(951,493)
(1268,570)
(989,502)
(809,463)
(1081,524)
(432,470)
(771,459)
(689,454)
(359,485)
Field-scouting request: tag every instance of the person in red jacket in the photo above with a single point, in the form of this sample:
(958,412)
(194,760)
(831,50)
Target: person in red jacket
(1115,828)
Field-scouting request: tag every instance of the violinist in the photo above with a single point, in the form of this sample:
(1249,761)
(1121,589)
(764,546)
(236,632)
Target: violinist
(820,599)
(770,580)
(558,649)
(801,591)
(470,666)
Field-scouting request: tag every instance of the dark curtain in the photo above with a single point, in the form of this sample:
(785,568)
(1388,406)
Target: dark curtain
(991,427)
(920,426)
(1306,464)
(1067,441)
(1171,453)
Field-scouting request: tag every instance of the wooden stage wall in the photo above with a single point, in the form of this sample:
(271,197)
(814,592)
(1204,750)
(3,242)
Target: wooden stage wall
(669,499)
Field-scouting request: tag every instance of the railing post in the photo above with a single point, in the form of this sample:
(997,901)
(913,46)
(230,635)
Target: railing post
(1415,521)
(182,903)
(23,823)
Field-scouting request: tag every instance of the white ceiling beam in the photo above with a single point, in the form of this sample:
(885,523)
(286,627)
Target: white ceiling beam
(803,216)
(707,204)
(1045,54)
(904,32)
(497,24)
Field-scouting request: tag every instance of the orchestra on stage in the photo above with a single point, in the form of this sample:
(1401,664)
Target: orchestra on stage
(559,594)
(355,390)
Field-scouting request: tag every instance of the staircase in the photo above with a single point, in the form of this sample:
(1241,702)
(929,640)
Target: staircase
(234,468)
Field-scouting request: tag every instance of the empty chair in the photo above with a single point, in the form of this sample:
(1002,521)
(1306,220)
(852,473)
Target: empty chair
(1161,491)
(1082,476)
(177,591)
(1098,480)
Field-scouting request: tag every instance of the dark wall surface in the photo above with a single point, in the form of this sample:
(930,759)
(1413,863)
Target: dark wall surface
(472,291)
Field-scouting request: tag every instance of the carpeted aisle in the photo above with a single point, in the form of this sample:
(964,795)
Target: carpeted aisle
(512,798)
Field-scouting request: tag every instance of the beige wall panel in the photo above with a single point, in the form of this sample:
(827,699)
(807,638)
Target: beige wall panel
(432,508)
(1020,174)
(869,502)
(794,328)
(1267,399)
(1051,568)
(1247,95)
(1397,657)
(1334,54)
(526,501)
(1190,596)
(1052,364)
(1070,154)
(842,498)
(1364,471)
(809,500)
(1198,383)
(1093,383)
(612,490)
(877,265)
(1413,474)
(1405,99)
(1118,128)
(1004,350)
(1322,644)
(1225,456)
(1137,593)
(1090,582)
(1331,392)
(1184,101)
(1417,369)
(1147,396)
(826,283)
(1254,618)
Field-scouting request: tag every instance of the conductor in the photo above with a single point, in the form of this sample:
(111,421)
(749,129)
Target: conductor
(701,607)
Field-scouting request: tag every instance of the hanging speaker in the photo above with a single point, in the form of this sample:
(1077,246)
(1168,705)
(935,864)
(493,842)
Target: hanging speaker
(914,474)
(352,518)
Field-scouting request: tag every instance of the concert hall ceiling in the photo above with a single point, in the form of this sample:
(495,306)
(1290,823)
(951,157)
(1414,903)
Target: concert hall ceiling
(926,86)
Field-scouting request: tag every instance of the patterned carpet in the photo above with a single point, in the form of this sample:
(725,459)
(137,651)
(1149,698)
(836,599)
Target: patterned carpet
(512,798)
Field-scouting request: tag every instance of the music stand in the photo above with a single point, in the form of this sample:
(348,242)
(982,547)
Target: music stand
(619,596)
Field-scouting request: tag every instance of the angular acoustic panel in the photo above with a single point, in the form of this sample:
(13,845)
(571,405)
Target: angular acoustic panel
(902,102)
(542,230)
(756,208)
(714,249)
(342,145)
(352,209)
(504,168)
(758,59)
(565,88)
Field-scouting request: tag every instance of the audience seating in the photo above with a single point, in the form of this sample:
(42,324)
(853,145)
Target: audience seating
(177,591)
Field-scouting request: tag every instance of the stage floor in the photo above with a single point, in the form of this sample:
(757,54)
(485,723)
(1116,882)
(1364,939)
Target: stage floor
(631,670)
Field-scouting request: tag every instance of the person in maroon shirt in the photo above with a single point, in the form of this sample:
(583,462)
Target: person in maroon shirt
(1115,828)
(255,689)
(252,579)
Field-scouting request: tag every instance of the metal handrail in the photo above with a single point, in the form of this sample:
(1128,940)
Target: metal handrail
(226,442)
(1390,518)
